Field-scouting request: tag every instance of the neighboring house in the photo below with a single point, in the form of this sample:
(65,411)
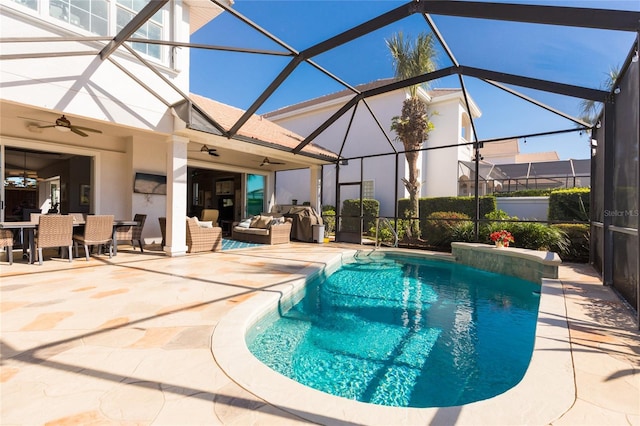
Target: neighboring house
(364,137)
(136,117)
(508,152)
(504,169)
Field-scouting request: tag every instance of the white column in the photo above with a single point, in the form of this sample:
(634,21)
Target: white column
(314,187)
(176,233)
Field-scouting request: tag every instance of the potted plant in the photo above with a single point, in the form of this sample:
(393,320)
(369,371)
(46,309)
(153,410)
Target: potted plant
(502,238)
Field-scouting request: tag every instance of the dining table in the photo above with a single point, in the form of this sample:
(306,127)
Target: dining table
(29,228)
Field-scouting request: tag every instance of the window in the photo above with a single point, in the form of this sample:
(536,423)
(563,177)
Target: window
(31,4)
(368,189)
(90,15)
(255,194)
(152,29)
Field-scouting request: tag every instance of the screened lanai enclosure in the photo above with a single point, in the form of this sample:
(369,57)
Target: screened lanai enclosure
(527,71)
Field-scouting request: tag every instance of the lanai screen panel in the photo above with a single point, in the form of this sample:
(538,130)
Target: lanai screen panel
(625,186)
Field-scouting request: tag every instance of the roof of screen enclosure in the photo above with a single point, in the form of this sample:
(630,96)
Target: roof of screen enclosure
(428,12)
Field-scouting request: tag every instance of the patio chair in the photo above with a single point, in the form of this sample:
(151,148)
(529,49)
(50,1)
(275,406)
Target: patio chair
(202,238)
(210,215)
(6,240)
(132,232)
(97,232)
(54,231)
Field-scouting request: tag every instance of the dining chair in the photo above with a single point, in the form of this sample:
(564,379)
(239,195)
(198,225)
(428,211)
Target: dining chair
(98,231)
(163,230)
(132,232)
(6,240)
(54,231)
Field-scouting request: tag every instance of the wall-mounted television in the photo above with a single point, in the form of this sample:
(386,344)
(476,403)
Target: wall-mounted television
(147,183)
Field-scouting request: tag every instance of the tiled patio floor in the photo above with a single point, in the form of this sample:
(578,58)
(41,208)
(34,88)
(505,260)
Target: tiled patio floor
(128,340)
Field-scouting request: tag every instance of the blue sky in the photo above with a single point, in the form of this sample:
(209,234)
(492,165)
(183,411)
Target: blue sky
(569,55)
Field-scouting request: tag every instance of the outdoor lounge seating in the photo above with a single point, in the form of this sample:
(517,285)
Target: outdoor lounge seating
(132,233)
(210,215)
(203,236)
(97,232)
(263,229)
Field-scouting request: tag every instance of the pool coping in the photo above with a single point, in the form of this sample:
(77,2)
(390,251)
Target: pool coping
(546,391)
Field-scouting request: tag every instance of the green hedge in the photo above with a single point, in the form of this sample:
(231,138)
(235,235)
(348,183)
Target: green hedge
(370,210)
(525,193)
(464,205)
(569,204)
(439,227)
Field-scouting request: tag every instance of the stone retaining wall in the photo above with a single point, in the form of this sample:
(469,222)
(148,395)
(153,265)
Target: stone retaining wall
(531,265)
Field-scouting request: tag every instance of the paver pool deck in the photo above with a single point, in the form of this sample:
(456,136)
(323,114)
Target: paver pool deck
(128,340)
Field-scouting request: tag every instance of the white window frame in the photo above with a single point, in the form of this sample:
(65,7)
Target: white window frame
(165,29)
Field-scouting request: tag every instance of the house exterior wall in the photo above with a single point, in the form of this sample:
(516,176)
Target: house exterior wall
(439,169)
(94,89)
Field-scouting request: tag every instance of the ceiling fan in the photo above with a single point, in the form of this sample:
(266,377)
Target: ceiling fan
(267,162)
(210,151)
(63,124)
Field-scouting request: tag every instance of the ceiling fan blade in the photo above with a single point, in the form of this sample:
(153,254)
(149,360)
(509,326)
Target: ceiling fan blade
(46,127)
(34,119)
(86,129)
(214,154)
(78,132)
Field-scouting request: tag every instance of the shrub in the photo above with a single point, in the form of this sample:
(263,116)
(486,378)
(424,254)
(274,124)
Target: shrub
(569,204)
(439,227)
(385,235)
(525,193)
(329,220)
(578,235)
(370,210)
(536,236)
(464,205)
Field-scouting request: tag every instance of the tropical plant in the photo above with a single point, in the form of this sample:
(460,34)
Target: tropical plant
(590,109)
(412,127)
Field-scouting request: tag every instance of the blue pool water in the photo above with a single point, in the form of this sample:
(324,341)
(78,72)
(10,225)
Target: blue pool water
(405,332)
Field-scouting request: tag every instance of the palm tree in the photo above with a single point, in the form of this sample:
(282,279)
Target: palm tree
(590,109)
(412,127)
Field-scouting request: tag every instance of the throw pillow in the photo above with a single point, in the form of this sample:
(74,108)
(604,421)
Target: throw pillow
(263,222)
(254,221)
(277,221)
(245,223)
(206,224)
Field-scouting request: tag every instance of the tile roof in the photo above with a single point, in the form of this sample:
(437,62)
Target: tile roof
(256,127)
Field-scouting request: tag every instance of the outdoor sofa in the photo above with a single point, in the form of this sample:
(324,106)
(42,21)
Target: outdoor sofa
(263,229)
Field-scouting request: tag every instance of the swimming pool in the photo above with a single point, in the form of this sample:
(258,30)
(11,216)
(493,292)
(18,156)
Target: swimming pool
(546,391)
(404,332)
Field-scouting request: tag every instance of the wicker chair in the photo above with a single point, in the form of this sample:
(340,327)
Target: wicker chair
(210,215)
(6,240)
(132,232)
(97,231)
(54,231)
(202,239)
